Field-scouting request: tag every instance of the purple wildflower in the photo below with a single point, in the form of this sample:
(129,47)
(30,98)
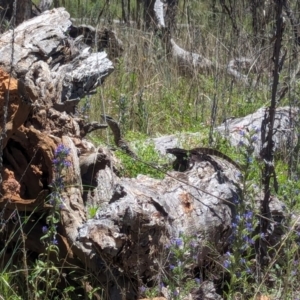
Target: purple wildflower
(55,161)
(262,235)
(67,164)
(248,215)
(161,286)
(254,138)
(248,240)
(242,261)
(59,183)
(249,227)
(228,253)
(238,219)
(61,150)
(61,206)
(178,242)
(60,155)
(44,229)
(167,246)
(226,263)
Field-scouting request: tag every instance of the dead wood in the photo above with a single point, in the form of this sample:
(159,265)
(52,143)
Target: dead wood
(54,71)
(285,135)
(187,62)
(136,217)
(103,39)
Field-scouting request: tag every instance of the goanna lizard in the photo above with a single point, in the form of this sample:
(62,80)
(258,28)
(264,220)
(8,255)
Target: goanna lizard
(186,158)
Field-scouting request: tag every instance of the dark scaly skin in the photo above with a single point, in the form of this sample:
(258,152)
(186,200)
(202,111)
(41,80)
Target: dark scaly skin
(183,156)
(119,141)
(209,151)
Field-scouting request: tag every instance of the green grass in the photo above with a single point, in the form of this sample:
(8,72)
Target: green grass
(150,98)
(149,163)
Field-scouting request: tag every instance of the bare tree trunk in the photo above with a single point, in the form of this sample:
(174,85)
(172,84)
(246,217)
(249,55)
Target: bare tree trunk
(128,10)
(267,133)
(149,16)
(23,10)
(124,18)
(171,13)
(56,3)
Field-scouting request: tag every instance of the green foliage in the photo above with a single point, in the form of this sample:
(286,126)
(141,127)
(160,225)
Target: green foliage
(45,273)
(91,211)
(7,288)
(182,259)
(177,274)
(149,162)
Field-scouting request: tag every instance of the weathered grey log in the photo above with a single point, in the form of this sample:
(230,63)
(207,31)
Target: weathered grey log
(142,214)
(236,130)
(237,65)
(190,63)
(49,61)
(159,13)
(285,134)
(54,70)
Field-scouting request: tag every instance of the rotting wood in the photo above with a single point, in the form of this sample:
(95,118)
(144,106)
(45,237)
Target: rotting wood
(53,72)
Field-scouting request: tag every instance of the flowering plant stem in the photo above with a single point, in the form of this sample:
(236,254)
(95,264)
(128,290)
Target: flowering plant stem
(60,162)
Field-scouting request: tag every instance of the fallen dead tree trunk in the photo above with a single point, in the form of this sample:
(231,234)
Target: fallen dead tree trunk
(53,72)
(285,135)
(123,244)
